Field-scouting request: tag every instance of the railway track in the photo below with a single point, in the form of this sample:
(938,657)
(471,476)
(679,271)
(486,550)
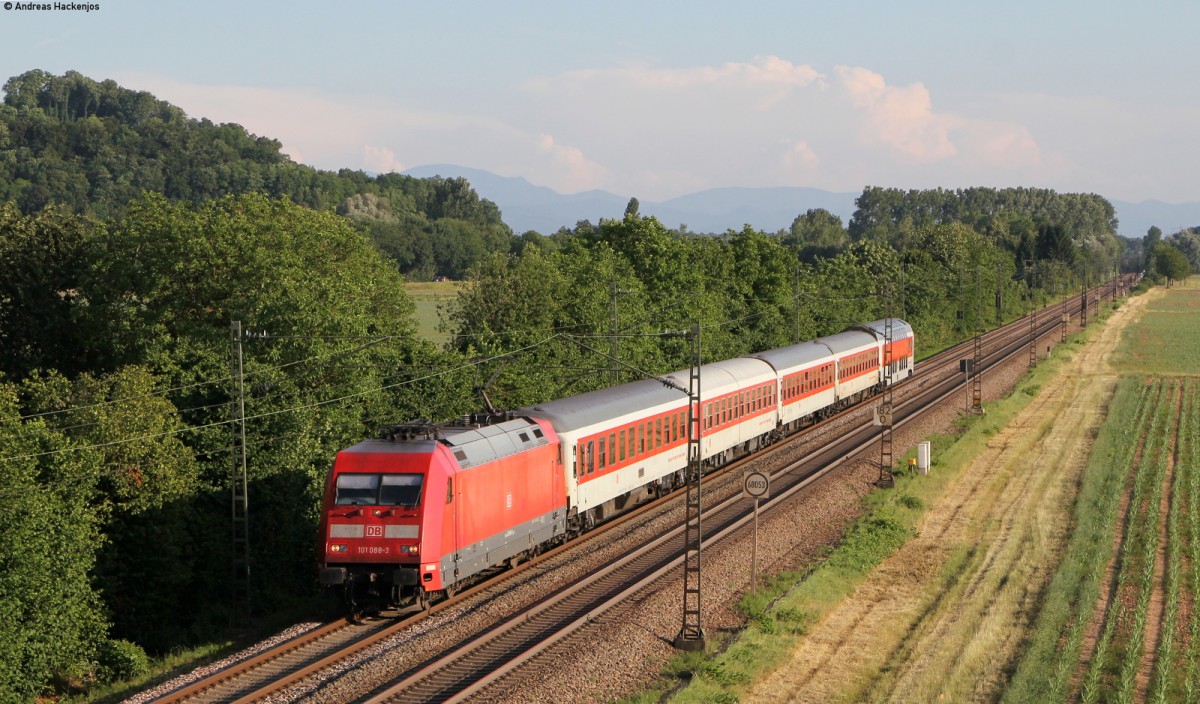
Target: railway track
(485,659)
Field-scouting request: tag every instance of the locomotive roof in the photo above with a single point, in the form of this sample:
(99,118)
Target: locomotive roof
(583,410)
(471,445)
(475,445)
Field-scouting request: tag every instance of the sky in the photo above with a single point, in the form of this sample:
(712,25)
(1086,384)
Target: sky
(660,99)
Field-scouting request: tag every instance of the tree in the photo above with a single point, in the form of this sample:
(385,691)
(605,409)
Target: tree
(42,256)
(1054,242)
(337,362)
(1150,247)
(1171,263)
(141,492)
(50,618)
(817,233)
(631,209)
(1188,242)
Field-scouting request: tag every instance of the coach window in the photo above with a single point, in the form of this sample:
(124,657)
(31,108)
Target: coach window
(603,455)
(621,446)
(641,439)
(612,448)
(591,456)
(580,465)
(657,433)
(632,443)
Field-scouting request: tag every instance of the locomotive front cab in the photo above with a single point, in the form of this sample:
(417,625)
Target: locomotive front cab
(376,506)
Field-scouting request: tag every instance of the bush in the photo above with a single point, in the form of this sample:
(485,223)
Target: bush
(120,660)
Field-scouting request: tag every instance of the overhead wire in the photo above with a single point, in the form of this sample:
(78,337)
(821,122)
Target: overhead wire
(293,409)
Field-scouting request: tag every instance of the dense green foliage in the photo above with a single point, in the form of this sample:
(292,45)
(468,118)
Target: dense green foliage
(1008,216)
(1187,241)
(1171,262)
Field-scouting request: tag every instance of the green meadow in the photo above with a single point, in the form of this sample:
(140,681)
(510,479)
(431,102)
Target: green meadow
(428,296)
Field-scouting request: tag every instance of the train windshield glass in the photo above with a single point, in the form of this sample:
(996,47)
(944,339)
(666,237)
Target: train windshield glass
(400,490)
(378,490)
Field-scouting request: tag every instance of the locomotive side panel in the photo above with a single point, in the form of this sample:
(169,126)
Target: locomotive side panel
(504,508)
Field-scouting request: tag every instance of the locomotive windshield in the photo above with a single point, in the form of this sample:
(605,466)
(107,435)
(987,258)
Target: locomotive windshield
(378,490)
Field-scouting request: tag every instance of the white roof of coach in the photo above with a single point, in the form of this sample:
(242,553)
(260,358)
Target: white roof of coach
(583,410)
(847,340)
(795,355)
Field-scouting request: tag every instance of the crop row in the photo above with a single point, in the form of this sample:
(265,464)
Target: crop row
(1119,650)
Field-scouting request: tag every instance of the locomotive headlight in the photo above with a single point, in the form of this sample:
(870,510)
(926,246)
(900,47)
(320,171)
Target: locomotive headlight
(410,549)
(339,548)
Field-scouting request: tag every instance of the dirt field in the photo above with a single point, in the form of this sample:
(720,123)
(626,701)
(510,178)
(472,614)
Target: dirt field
(943,618)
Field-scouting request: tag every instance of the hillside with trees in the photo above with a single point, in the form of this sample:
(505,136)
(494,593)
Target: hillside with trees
(131,236)
(94,147)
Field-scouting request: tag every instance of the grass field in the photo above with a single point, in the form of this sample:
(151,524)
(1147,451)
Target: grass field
(1164,342)
(428,296)
(1120,622)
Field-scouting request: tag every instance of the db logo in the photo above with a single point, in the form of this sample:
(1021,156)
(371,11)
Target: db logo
(374,531)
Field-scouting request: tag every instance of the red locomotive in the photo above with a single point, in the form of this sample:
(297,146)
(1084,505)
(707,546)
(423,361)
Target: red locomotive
(426,509)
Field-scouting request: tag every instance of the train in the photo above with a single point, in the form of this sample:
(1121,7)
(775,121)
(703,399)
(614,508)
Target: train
(427,509)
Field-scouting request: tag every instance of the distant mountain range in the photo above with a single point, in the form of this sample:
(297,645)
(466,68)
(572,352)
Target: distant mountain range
(528,207)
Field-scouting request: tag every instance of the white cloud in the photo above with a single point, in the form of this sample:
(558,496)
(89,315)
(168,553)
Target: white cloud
(801,159)
(573,169)
(899,117)
(381,160)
